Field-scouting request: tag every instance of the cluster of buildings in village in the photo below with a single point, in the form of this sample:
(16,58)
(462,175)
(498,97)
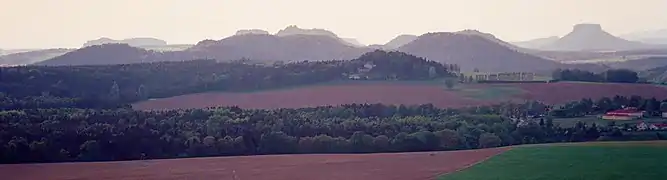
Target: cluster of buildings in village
(362,71)
(634,114)
(643,126)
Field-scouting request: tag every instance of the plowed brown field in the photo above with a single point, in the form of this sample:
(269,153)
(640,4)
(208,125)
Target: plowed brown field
(392,93)
(397,166)
(564,92)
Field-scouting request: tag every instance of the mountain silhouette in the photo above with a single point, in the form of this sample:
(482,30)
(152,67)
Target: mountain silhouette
(472,50)
(399,41)
(294,47)
(251,31)
(114,54)
(591,37)
(536,43)
(30,57)
(649,37)
(295,30)
(136,42)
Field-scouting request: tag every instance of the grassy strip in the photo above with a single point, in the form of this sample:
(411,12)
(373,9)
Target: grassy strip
(571,162)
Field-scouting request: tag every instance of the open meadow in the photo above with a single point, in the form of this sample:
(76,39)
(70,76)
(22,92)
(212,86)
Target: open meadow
(590,161)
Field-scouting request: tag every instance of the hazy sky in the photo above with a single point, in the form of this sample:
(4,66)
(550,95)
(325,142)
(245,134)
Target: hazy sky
(69,23)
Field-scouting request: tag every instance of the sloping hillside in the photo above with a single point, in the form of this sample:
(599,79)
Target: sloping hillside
(277,48)
(473,51)
(536,43)
(657,75)
(641,64)
(399,41)
(30,57)
(113,54)
(649,37)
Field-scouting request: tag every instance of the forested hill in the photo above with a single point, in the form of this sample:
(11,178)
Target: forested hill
(115,85)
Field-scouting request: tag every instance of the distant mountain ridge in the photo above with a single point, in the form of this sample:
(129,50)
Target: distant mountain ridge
(136,42)
(114,54)
(537,43)
(472,50)
(399,41)
(295,30)
(30,57)
(296,47)
(649,37)
(251,31)
(591,37)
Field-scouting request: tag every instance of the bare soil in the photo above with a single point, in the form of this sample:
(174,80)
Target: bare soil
(386,166)
(318,96)
(407,94)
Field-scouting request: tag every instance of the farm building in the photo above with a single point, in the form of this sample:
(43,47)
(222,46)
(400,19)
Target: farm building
(506,76)
(624,114)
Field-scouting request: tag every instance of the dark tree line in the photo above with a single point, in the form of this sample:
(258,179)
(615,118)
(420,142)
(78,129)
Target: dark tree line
(113,86)
(612,75)
(56,135)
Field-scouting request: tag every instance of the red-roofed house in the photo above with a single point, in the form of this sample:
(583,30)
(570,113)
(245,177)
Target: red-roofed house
(624,114)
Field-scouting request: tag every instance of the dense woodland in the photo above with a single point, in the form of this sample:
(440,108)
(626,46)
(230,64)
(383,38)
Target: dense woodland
(112,86)
(612,75)
(65,134)
(54,135)
(80,113)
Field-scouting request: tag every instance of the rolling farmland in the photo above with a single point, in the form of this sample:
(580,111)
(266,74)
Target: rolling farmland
(407,94)
(387,166)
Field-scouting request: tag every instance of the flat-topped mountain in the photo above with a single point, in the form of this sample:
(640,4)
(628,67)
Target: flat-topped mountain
(136,42)
(251,31)
(591,37)
(277,48)
(295,30)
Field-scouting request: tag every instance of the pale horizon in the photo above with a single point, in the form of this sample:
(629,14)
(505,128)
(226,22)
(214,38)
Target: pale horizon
(69,23)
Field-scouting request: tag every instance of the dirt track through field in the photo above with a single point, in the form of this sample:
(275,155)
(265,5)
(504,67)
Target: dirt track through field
(396,166)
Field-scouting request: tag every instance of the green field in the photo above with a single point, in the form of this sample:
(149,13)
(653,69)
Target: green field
(596,161)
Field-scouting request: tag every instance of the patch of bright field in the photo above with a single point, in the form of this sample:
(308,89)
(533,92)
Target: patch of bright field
(596,161)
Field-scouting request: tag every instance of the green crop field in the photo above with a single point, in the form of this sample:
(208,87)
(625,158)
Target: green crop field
(587,162)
